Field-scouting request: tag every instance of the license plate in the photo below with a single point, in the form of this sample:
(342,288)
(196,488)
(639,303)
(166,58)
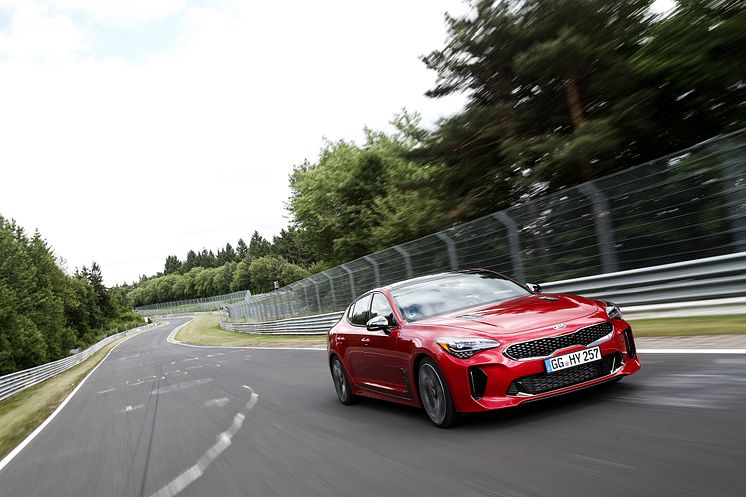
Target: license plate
(573,359)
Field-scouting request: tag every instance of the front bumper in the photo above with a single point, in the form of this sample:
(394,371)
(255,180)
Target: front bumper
(490,380)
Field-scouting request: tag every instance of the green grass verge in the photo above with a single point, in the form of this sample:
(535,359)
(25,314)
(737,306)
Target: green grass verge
(24,411)
(205,330)
(698,325)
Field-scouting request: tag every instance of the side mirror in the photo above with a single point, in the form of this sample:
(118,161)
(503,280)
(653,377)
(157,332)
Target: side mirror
(533,287)
(378,323)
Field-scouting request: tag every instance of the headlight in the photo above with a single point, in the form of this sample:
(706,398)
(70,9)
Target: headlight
(612,310)
(463,348)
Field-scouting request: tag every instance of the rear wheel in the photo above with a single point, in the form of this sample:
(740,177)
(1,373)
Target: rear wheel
(435,396)
(342,383)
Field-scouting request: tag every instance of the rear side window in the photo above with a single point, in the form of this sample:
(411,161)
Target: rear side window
(360,311)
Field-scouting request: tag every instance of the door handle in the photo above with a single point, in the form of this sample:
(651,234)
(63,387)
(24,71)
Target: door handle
(339,339)
(365,341)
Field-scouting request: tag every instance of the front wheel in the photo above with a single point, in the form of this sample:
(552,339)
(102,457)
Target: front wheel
(435,396)
(342,383)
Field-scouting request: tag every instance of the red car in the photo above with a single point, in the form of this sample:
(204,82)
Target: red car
(470,341)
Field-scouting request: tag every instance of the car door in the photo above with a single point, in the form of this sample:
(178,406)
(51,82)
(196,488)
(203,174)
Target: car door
(357,316)
(383,368)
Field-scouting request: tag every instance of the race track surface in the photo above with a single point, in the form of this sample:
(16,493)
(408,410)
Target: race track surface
(165,419)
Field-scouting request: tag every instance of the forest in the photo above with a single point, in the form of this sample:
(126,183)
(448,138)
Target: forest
(558,92)
(45,312)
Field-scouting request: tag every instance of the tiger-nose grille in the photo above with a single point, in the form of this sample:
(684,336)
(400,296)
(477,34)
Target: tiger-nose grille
(544,347)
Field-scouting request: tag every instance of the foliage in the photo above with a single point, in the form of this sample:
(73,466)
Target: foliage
(44,313)
(352,200)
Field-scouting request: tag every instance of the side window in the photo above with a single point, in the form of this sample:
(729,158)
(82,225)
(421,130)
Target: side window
(360,311)
(381,307)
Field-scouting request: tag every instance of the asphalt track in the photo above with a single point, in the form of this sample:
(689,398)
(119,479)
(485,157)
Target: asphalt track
(165,419)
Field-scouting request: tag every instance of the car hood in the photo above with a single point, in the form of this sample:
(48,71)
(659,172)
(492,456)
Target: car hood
(517,316)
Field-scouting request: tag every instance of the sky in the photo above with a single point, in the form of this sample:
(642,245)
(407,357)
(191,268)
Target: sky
(135,129)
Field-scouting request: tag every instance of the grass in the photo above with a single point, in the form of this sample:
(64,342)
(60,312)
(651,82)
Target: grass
(24,411)
(697,325)
(205,330)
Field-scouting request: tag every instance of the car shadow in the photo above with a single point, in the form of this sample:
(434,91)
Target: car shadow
(530,412)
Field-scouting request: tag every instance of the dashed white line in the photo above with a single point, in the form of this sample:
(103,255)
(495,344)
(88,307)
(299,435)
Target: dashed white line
(223,442)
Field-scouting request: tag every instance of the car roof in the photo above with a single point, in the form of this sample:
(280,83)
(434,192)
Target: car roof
(430,277)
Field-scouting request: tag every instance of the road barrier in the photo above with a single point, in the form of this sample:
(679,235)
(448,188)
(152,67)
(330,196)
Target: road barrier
(13,383)
(646,291)
(308,325)
(619,236)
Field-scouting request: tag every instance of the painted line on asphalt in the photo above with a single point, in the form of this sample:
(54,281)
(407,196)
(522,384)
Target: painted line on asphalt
(13,453)
(172,339)
(191,474)
(691,351)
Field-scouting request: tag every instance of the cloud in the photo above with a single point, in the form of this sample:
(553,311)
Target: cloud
(127,162)
(123,12)
(34,33)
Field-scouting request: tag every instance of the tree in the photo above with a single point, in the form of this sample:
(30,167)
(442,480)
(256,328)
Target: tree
(173,265)
(258,246)
(694,60)
(552,101)
(241,249)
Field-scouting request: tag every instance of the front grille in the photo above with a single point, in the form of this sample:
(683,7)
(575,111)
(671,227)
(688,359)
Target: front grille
(544,347)
(543,382)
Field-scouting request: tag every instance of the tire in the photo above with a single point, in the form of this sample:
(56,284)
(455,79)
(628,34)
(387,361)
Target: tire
(342,383)
(435,396)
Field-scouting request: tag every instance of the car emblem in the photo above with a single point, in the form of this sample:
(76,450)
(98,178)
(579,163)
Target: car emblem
(560,326)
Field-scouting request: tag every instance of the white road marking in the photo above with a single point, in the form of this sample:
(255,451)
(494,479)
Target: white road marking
(192,473)
(222,401)
(107,390)
(182,386)
(13,453)
(133,408)
(195,367)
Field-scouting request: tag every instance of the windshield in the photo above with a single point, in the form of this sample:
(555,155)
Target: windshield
(454,292)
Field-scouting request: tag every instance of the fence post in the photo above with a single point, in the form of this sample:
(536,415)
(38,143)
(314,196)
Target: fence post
(331,288)
(376,273)
(514,242)
(602,220)
(306,301)
(407,260)
(352,279)
(732,159)
(452,255)
(318,295)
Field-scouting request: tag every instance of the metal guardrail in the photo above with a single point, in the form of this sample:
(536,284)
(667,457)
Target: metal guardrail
(701,279)
(709,278)
(687,205)
(13,383)
(307,325)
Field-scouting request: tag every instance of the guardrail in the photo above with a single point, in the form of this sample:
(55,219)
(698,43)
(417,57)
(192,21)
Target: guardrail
(687,205)
(636,290)
(13,383)
(319,324)
(709,278)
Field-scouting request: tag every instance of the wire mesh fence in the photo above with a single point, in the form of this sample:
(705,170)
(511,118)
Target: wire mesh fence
(216,303)
(688,205)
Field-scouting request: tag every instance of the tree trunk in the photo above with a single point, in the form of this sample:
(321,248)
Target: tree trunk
(573,101)
(577,114)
